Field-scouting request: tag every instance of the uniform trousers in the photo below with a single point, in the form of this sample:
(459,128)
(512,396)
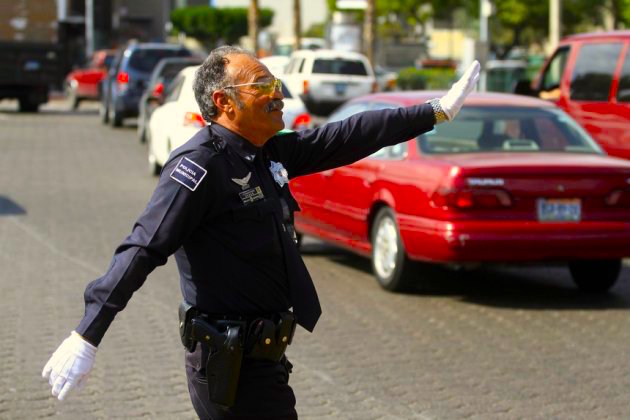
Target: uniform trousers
(263,390)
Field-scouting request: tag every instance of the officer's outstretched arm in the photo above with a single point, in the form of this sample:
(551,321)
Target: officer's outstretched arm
(69,365)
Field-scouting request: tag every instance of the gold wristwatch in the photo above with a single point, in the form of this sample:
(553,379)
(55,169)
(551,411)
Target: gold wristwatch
(438,112)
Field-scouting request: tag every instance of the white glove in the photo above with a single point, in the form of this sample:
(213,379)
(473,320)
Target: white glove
(452,102)
(69,365)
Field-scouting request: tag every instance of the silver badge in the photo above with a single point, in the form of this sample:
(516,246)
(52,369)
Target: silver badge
(280,175)
(243,182)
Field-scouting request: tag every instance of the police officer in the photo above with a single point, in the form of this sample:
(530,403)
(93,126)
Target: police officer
(223,207)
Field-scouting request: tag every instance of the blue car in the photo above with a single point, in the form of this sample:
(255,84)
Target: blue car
(128,78)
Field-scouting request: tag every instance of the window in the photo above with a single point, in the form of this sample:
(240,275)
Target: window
(553,73)
(514,129)
(174,89)
(339,66)
(623,92)
(347,111)
(593,72)
(146,59)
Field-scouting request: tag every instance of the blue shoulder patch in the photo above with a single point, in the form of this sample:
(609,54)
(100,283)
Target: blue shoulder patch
(188,173)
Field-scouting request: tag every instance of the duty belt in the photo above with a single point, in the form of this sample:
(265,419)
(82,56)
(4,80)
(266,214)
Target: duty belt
(263,338)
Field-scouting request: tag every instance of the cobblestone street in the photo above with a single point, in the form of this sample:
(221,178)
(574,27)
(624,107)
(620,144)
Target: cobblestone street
(495,343)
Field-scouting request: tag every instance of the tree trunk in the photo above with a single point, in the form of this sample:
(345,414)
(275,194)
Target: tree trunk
(368,35)
(252,20)
(297,25)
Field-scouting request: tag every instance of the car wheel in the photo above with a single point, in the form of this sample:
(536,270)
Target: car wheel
(595,276)
(71,97)
(115,119)
(103,112)
(392,268)
(154,166)
(26,104)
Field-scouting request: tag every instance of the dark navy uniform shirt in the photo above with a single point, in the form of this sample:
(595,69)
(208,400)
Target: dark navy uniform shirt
(217,207)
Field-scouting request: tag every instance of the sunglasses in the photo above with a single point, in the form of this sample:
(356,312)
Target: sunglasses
(266,88)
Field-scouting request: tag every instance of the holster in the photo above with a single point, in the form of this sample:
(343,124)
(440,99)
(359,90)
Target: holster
(223,366)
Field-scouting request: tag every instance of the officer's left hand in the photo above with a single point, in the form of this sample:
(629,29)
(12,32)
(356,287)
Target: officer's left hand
(452,102)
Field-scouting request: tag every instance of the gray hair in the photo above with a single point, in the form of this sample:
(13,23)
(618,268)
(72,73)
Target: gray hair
(211,76)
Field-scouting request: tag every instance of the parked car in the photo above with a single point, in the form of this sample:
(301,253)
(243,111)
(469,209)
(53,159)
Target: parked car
(161,77)
(588,76)
(276,64)
(386,80)
(84,83)
(511,179)
(325,79)
(127,79)
(179,118)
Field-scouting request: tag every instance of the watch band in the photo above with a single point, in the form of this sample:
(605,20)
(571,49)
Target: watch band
(438,112)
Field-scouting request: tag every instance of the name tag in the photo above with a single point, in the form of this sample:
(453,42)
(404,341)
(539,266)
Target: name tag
(251,195)
(188,173)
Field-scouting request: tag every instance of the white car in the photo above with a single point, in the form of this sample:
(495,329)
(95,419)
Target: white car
(276,64)
(179,118)
(324,79)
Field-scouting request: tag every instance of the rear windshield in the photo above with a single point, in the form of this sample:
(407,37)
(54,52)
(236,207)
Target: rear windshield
(146,59)
(339,66)
(169,71)
(513,129)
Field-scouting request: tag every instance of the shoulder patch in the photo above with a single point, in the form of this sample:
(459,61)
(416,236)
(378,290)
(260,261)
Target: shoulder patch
(188,173)
(284,132)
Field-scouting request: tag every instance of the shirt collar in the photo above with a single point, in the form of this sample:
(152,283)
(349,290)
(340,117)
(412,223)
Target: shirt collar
(240,145)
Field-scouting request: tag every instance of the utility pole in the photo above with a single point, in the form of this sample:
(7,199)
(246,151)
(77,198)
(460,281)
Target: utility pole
(485,10)
(252,20)
(297,25)
(368,36)
(89,28)
(555,24)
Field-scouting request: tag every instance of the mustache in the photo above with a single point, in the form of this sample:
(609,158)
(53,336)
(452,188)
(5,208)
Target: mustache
(275,105)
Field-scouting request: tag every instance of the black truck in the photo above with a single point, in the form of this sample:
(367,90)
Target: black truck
(27,71)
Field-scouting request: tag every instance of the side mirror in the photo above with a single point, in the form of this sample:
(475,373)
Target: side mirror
(524,87)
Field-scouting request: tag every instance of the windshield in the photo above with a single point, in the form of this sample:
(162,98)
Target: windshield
(513,129)
(339,66)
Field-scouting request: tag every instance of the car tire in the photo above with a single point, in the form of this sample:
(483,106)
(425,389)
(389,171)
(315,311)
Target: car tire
(103,112)
(115,118)
(142,132)
(26,104)
(153,166)
(595,276)
(393,270)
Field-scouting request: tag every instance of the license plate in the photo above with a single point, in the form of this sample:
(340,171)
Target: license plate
(340,88)
(559,210)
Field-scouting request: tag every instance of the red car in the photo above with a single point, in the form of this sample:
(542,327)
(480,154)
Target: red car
(511,179)
(84,83)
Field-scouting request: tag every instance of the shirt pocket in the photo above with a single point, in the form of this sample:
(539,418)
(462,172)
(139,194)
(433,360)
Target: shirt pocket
(255,230)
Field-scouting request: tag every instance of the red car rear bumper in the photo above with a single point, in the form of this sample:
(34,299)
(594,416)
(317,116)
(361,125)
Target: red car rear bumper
(468,241)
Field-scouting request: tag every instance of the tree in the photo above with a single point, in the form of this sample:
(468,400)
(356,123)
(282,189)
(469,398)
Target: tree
(214,25)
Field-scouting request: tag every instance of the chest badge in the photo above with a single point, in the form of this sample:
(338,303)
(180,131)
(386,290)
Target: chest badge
(280,175)
(243,182)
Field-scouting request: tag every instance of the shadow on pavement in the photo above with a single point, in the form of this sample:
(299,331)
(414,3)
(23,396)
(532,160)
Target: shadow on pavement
(522,286)
(9,207)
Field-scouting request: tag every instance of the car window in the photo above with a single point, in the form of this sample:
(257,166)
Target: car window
(348,110)
(514,129)
(623,91)
(170,70)
(109,60)
(291,65)
(553,73)
(144,59)
(174,89)
(285,92)
(593,71)
(339,66)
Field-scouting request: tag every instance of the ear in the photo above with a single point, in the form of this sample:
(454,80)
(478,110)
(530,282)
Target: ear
(222,101)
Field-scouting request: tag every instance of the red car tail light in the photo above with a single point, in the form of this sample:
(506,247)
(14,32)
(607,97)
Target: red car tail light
(158,89)
(305,87)
(468,198)
(122,78)
(301,122)
(194,119)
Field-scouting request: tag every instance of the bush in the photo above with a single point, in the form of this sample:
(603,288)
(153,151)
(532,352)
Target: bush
(411,78)
(209,24)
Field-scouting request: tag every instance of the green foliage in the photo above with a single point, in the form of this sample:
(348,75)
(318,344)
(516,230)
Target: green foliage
(209,24)
(316,30)
(411,78)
